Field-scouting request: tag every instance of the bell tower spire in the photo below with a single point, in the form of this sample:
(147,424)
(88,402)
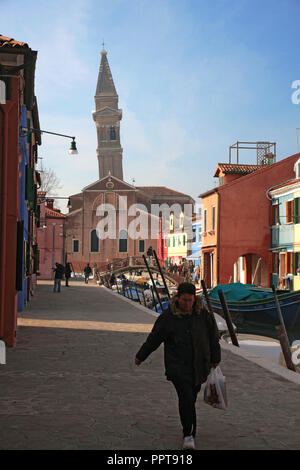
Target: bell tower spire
(107,117)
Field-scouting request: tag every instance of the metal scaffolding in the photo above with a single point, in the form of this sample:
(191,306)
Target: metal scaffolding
(265,151)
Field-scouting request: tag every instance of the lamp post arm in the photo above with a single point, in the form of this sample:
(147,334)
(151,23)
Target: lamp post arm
(46,132)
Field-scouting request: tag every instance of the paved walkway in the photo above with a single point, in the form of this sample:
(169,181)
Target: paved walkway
(71,383)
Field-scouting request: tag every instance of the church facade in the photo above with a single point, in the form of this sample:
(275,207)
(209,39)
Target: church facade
(110,218)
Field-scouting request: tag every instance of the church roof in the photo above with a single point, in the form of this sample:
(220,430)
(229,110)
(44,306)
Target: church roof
(105,81)
(161,191)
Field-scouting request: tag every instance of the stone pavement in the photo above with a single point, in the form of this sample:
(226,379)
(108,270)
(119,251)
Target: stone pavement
(71,383)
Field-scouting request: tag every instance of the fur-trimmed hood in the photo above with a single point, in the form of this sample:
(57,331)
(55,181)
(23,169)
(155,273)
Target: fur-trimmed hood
(174,309)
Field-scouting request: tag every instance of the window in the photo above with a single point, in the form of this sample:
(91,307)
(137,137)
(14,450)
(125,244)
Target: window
(213,221)
(171,221)
(289,212)
(123,241)
(183,240)
(169,241)
(297,210)
(275,214)
(75,246)
(194,234)
(289,262)
(297,168)
(94,242)
(204,220)
(221,180)
(275,263)
(141,246)
(112,134)
(173,242)
(181,220)
(282,269)
(297,263)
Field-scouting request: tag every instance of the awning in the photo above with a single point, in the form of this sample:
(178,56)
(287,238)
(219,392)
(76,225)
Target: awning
(195,255)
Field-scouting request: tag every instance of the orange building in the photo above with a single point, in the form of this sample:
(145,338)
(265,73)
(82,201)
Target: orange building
(236,225)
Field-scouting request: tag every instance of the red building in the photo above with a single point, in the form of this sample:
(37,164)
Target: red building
(18,153)
(236,223)
(50,237)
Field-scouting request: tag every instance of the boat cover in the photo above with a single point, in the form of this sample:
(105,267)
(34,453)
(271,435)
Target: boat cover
(237,292)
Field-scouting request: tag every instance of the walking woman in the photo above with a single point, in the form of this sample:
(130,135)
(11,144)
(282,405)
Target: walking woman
(191,344)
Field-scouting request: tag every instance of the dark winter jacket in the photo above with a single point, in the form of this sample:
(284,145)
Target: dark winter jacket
(59,271)
(191,342)
(87,270)
(68,270)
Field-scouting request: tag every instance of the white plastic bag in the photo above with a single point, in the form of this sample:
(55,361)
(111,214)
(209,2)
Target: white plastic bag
(215,389)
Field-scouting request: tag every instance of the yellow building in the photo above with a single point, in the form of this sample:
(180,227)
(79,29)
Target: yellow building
(177,240)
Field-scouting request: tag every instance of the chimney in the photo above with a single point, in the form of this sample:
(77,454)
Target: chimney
(50,203)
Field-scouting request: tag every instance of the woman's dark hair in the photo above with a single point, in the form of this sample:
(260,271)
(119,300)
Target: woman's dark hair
(186,288)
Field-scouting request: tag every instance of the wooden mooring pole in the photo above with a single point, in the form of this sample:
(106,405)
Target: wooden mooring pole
(154,286)
(210,309)
(161,273)
(283,336)
(228,318)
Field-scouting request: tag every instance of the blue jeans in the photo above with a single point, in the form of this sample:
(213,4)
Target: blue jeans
(57,283)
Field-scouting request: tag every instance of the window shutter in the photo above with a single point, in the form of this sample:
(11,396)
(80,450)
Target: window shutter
(296,211)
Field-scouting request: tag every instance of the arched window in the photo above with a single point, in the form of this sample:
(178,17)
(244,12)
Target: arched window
(113,135)
(297,168)
(123,241)
(94,242)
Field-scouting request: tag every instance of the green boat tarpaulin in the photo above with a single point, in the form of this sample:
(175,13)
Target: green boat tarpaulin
(237,292)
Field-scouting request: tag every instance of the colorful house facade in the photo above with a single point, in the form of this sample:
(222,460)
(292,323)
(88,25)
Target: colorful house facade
(195,256)
(236,223)
(285,218)
(178,238)
(18,182)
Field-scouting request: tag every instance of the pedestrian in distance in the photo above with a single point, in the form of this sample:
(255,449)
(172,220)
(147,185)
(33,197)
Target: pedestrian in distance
(59,273)
(191,348)
(68,271)
(95,271)
(150,254)
(112,281)
(87,271)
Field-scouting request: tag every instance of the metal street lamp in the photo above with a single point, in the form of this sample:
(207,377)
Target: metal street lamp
(73,149)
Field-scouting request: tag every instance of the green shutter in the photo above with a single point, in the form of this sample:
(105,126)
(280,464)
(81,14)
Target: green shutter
(296,211)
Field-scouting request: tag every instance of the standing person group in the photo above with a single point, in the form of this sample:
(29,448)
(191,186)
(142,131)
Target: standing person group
(191,348)
(60,271)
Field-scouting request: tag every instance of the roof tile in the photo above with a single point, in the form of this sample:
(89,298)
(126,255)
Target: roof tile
(10,42)
(234,168)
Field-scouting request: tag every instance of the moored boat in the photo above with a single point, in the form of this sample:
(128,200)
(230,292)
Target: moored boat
(252,305)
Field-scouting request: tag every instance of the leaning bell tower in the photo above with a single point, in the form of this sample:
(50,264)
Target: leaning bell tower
(107,117)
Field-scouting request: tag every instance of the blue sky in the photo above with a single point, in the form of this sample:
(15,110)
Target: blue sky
(192,76)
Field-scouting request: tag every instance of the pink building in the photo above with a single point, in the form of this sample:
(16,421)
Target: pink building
(50,237)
